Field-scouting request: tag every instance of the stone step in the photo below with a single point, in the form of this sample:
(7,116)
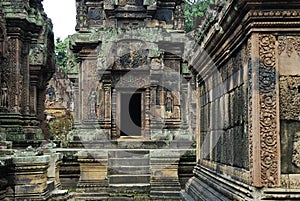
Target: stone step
(61,195)
(128,170)
(129,154)
(129,188)
(91,196)
(112,162)
(165,194)
(129,198)
(129,179)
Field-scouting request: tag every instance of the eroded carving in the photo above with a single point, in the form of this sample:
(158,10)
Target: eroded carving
(296,150)
(36,55)
(289,44)
(289,97)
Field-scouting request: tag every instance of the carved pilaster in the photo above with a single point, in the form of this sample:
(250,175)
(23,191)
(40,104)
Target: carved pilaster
(147,113)
(114,134)
(264,112)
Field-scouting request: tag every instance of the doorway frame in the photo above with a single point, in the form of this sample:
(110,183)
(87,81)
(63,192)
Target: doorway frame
(118,112)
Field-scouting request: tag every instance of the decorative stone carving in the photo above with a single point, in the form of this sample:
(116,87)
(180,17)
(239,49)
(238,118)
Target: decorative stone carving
(4,95)
(169,102)
(178,18)
(95,16)
(289,44)
(296,150)
(289,97)
(268,111)
(92,104)
(36,55)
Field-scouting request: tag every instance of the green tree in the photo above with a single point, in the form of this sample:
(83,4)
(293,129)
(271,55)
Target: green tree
(61,52)
(194,9)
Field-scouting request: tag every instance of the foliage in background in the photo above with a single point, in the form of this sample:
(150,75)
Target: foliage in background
(194,9)
(64,59)
(61,51)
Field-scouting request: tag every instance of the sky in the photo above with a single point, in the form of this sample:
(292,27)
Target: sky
(63,16)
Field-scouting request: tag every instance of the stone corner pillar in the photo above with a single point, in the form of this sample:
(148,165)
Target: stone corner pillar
(263,111)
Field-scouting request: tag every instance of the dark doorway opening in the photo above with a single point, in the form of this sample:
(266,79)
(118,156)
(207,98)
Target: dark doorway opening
(130,121)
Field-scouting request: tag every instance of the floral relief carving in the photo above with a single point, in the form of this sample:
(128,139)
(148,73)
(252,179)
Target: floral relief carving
(296,150)
(268,113)
(250,111)
(289,89)
(289,44)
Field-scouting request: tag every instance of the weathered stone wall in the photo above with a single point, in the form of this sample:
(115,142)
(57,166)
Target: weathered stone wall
(27,63)
(254,46)
(132,50)
(223,114)
(289,90)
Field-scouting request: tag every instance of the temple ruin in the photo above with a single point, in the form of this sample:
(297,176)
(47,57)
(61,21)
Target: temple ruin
(147,111)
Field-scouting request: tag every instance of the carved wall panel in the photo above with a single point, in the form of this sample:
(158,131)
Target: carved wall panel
(289,97)
(289,54)
(296,150)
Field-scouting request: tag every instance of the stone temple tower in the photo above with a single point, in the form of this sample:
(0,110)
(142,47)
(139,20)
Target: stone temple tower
(132,91)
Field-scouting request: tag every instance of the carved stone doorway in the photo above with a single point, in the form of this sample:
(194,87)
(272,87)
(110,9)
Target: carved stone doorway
(131,114)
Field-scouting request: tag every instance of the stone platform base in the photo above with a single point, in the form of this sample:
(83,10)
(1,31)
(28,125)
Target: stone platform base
(206,185)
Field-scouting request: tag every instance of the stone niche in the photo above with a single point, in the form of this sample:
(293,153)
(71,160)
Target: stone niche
(26,64)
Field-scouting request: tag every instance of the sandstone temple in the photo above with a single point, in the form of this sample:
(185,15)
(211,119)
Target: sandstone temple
(147,111)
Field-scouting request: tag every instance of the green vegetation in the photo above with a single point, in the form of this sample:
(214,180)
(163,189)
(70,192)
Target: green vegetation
(64,59)
(194,9)
(61,51)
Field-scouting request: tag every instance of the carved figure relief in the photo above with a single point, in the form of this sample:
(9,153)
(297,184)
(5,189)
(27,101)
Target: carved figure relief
(51,93)
(169,102)
(4,95)
(95,16)
(92,104)
(100,101)
(133,59)
(296,150)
